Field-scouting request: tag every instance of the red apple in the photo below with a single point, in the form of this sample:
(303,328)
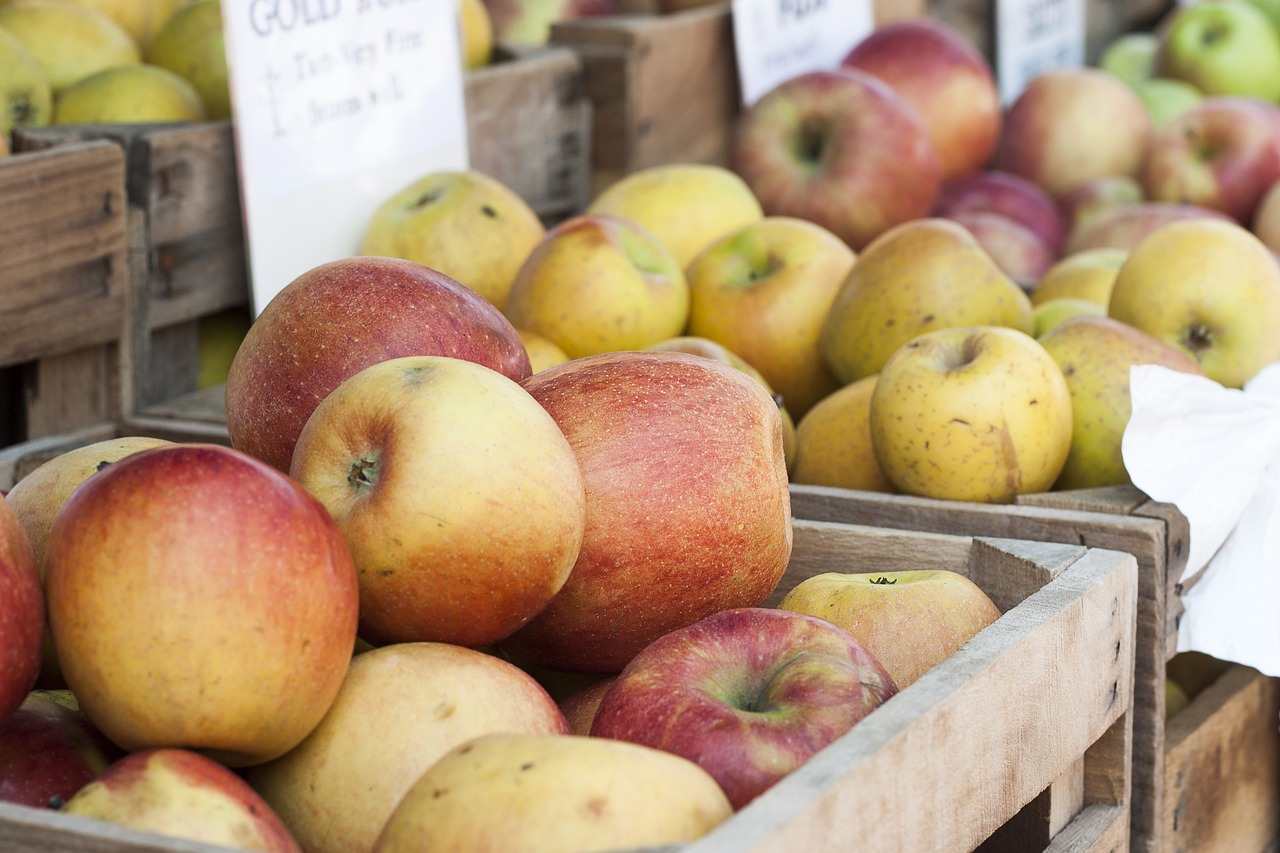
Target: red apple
(1016,249)
(1009,195)
(748,694)
(21,614)
(688,510)
(199,598)
(1094,197)
(945,79)
(1073,125)
(339,318)
(1223,153)
(841,149)
(48,751)
(1125,226)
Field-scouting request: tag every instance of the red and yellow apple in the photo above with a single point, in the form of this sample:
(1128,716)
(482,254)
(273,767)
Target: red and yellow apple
(1007,194)
(48,752)
(1125,226)
(22,616)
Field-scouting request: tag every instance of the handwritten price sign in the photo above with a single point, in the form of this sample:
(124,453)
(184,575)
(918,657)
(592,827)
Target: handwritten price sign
(776,40)
(1035,36)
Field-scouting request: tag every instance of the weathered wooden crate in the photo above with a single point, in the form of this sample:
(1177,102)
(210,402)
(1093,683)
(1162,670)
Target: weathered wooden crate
(1120,518)
(664,88)
(1019,741)
(64,289)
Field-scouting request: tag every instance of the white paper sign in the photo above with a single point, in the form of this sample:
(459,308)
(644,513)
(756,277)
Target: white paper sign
(1035,36)
(337,104)
(776,40)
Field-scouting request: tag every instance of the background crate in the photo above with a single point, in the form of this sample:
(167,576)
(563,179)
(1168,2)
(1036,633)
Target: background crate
(1124,519)
(64,289)
(1019,741)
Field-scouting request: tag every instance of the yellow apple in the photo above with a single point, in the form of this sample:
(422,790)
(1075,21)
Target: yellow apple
(26,99)
(191,45)
(833,442)
(220,336)
(1087,274)
(763,291)
(161,12)
(133,16)
(128,94)
(1046,315)
(542,352)
(477,33)
(401,708)
(1194,671)
(467,225)
(530,794)
(977,413)
(596,284)
(1208,287)
(1175,698)
(687,206)
(1266,219)
(920,276)
(909,620)
(70,42)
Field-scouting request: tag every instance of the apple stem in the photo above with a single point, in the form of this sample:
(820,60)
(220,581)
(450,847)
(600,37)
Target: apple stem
(364,473)
(21,110)
(884,581)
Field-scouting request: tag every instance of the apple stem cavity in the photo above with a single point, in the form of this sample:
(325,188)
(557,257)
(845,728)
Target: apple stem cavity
(364,473)
(429,197)
(20,110)
(811,142)
(884,581)
(1197,339)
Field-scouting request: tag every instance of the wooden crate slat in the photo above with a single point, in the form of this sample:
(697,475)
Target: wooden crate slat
(25,830)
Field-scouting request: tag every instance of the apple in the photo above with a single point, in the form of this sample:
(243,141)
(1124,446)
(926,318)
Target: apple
(1047,315)
(68,41)
(1094,197)
(477,34)
(1071,125)
(191,44)
(945,79)
(748,694)
(233,564)
(542,352)
(129,94)
(529,21)
(1131,57)
(1016,249)
(22,606)
(688,510)
(1209,288)
(1271,8)
(1086,275)
(1223,153)
(1194,671)
(1175,699)
(687,206)
(48,752)
(763,292)
(580,707)
(922,275)
(1095,354)
(182,794)
(479,551)
(467,225)
(26,98)
(401,708)
(1166,99)
(1126,225)
(841,149)
(833,442)
(1266,219)
(37,498)
(596,283)
(538,793)
(1011,196)
(340,317)
(1222,47)
(977,413)
(907,620)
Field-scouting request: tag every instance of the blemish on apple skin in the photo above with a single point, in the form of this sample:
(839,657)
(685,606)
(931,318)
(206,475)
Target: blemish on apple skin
(56,802)
(438,793)
(488,211)
(528,765)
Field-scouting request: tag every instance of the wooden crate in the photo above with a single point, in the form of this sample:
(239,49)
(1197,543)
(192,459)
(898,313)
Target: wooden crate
(1120,518)
(1019,741)
(64,289)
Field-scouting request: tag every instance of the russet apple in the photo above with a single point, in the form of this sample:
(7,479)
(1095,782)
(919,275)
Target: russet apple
(841,149)
(340,317)
(467,225)
(1266,219)
(763,292)
(1126,225)
(22,613)
(67,40)
(920,276)
(1222,47)
(833,442)
(1007,194)
(687,206)
(977,413)
(248,591)
(48,752)
(748,694)
(182,794)
(1088,275)
(908,620)
(401,708)
(1209,288)
(458,494)
(596,283)
(688,510)
(541,794)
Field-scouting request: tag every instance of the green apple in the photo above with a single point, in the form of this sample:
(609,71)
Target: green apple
(1166,98)
(1175,698)
(220,336)
(69,42)
(128,94)
(1131,57)
(1271,8)
(1049,314)
(1087,274)
(1222,47)
(26,98)
(191,45)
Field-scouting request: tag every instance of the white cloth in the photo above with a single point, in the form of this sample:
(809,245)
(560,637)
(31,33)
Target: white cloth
(1214,453)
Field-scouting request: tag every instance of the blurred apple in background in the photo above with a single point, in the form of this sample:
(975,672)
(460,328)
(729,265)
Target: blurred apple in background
(1209,288)
(68,41)
(908,620)
(1124,226)
(21,602)
(979,413)
(467,225)
(48,752)
(1008,195)
(1053,312)
(400,709)
(191,44)
(597,283)
(833,442)
(1087,275)
(477,34)
(542,352)
(527,794)
(129,94)
(1222,47)
(948,82)
(580,706)
(1069,126)
(764,292)
(748,694)
(840,149)
(181,794)
(1223,153)
(687,206)
(1017,250)
(1166,99)
(26,98)
(1271,8)
(529,21)
(1266,219)
(688,510)
(337,319)
(1094,197)
(923,275)
(1131,57)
